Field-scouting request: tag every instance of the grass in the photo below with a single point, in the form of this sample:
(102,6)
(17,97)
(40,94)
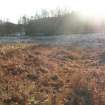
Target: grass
(42,75)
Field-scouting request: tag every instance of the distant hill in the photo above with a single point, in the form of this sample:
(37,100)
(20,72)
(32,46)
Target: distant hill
(7,28)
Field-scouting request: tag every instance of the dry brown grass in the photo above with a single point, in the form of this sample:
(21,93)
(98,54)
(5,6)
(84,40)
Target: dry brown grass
(45,75)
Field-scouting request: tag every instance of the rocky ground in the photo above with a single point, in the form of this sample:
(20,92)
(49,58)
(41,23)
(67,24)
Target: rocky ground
(48,75)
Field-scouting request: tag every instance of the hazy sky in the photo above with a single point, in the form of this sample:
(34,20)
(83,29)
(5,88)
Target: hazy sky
(13,9)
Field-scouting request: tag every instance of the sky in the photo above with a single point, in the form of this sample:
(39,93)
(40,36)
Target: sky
(13,9)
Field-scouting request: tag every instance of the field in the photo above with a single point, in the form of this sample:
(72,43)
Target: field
(51,75)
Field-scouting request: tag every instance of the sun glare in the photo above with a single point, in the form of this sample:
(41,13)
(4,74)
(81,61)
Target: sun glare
(90,8)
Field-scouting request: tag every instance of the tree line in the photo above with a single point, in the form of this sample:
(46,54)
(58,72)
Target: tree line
(59,21)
